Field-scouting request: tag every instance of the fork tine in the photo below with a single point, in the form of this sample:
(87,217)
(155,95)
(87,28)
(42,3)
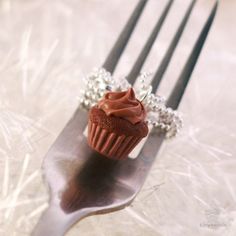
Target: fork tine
(166,60)
(147,47)
(115,53)
(178,91)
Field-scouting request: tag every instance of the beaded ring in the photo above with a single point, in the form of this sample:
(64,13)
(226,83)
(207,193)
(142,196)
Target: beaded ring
(100,81)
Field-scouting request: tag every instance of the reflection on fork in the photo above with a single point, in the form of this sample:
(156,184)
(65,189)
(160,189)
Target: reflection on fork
(94,181)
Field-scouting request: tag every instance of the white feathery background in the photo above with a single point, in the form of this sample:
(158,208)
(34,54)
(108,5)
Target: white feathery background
(45,49)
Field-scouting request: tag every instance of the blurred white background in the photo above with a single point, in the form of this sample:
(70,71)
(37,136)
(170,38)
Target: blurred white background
(45,49)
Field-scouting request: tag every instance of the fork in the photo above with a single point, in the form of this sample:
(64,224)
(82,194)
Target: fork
(81,181)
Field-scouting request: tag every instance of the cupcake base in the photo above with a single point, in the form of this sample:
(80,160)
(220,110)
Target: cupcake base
(110,144)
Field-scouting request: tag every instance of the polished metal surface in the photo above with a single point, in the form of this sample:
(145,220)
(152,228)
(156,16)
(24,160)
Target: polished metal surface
(82,182)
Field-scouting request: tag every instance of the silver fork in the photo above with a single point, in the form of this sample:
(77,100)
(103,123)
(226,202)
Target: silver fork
(84,183)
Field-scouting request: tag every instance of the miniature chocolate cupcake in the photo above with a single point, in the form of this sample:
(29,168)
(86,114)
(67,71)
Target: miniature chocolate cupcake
(116,124)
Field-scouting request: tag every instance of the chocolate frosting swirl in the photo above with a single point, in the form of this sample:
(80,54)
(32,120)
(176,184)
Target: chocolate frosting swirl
(123,105)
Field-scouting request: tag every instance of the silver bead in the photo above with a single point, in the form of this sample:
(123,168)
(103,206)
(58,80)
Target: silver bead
(86,103)
(155,124)
(167,127)
(88,94)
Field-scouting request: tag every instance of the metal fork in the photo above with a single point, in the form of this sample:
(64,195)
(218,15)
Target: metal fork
(81,181)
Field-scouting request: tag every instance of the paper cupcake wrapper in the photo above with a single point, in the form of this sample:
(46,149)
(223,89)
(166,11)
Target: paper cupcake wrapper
(110,144)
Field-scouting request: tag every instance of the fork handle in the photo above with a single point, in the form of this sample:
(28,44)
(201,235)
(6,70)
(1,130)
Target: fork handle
(55,222)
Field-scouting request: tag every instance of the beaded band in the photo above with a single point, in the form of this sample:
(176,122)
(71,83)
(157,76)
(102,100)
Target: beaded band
(100,81)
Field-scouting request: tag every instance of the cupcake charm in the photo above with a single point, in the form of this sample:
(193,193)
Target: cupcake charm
(117,124)
(119,119)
